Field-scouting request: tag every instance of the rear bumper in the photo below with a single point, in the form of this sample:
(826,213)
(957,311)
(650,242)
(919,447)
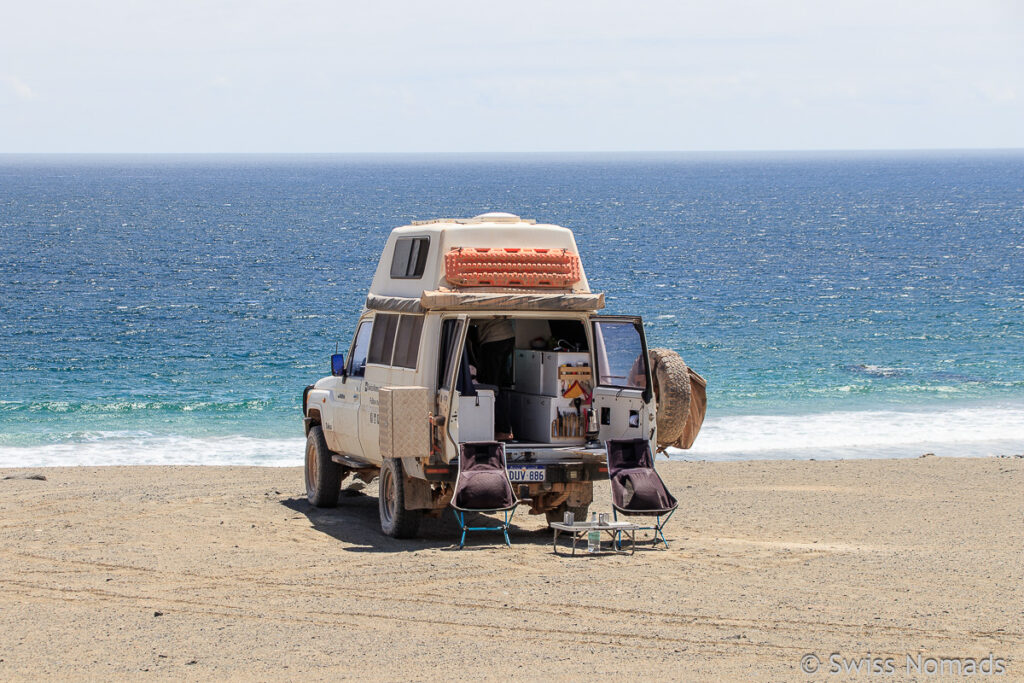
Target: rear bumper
(554,472)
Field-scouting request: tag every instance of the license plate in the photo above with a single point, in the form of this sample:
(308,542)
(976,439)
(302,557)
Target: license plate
(522,474)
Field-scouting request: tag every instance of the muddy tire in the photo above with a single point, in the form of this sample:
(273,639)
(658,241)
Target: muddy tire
(672,393)
(395,520)
(579,512)
(323,475)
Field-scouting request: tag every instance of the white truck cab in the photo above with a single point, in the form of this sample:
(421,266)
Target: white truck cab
(422,376)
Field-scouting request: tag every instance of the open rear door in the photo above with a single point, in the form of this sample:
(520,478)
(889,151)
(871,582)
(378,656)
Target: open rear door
(623,398)
(449,362)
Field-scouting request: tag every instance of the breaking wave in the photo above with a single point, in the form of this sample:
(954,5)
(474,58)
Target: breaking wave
(962,431)
(144,448)
(129,406)
(965,431)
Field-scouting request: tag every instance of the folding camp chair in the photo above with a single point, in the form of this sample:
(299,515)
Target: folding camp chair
(482,485)
(637,488)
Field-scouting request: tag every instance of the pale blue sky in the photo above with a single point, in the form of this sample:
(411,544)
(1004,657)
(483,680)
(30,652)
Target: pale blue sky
(442,76)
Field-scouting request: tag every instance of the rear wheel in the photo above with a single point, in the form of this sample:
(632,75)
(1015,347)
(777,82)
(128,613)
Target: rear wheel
(395,520)
(579,513)
(323,475)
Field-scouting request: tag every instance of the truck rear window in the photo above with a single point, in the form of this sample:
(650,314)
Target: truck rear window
(410,257)
(395,340)
(407,343)
(382,341)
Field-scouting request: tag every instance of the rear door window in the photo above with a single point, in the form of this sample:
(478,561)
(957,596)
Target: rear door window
(621,360)
(449,352)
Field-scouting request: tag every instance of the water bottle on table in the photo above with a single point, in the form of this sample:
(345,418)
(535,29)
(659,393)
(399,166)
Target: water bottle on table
(593,536)
(593,541)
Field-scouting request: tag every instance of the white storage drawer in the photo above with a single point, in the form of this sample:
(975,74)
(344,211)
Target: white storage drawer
(545,419)
(536,372)
(475,418)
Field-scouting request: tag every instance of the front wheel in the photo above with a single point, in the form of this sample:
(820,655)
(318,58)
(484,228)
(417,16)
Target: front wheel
(395,520)
(323,475)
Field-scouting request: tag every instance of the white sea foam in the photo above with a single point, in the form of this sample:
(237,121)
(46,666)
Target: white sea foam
(965,431)
(142,448)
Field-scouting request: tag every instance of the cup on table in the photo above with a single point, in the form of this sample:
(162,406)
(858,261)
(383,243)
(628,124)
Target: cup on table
(602,519)
(568,518)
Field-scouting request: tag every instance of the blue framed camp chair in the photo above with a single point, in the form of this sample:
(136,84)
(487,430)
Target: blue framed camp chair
(637,488)
(482,486)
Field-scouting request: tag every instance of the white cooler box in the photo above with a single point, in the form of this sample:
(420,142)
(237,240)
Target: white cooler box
(536,372)
(545,419)
(476,416)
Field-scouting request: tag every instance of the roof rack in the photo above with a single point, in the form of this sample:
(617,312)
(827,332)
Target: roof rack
(492,217)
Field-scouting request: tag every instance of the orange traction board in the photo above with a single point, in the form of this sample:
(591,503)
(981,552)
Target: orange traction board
(511,267)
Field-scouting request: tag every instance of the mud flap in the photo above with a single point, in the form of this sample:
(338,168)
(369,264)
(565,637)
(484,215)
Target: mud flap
(573,494)
(421,494)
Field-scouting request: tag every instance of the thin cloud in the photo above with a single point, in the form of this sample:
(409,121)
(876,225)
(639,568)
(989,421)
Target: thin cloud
(997,93)
(19,87)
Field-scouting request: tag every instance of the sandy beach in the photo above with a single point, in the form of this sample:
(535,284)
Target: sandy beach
(228,573)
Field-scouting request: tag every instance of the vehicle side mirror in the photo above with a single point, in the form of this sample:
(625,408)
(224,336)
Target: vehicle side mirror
(338,364)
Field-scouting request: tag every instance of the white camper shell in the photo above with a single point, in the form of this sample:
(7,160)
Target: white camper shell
(407,392)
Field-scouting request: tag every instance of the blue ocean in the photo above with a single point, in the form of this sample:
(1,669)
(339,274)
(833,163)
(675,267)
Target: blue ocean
(170,310)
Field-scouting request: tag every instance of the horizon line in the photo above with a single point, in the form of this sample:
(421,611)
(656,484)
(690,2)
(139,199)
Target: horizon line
(724,152)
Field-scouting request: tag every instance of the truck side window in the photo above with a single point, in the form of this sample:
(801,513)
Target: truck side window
(620,355)
(357,359)
(407,342)
(410,257)
(382,341)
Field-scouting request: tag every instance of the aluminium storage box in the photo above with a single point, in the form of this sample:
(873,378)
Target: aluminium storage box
(404,430)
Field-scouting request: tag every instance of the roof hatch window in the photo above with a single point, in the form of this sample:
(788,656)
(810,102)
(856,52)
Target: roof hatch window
(410,257)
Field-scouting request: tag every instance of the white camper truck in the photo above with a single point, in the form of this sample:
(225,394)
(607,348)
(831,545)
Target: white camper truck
(412,386)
